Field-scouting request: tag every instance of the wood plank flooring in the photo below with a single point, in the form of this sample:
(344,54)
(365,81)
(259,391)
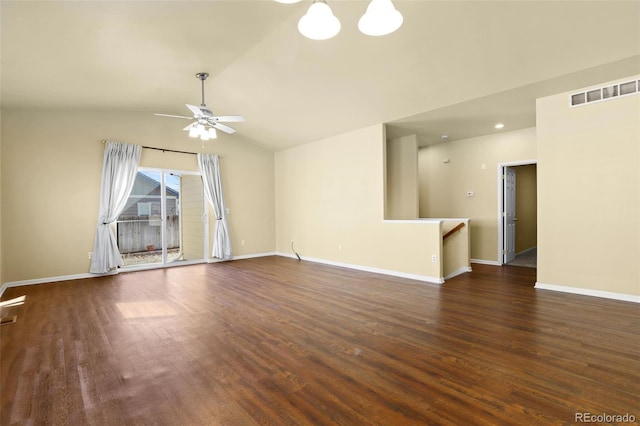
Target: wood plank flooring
(274,341)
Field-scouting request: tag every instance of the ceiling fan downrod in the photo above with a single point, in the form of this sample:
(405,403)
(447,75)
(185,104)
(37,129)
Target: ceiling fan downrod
(202,76)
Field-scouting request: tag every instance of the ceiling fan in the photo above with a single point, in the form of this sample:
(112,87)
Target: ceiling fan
(206,123)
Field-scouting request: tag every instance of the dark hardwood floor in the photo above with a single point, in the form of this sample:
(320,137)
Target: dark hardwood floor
(276,341)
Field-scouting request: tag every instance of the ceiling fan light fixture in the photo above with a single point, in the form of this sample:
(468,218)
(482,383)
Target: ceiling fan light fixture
(193,132)
(319,23)
(381,18)
(212,133)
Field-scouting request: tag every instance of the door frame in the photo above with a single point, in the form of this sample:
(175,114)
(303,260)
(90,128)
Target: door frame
(205,220)
(500,186)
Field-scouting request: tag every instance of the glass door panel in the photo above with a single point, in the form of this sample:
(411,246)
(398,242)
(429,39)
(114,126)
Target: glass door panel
(172,217)
(139,226)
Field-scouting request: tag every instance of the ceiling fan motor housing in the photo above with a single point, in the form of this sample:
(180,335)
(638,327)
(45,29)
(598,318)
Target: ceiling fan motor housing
(206,111)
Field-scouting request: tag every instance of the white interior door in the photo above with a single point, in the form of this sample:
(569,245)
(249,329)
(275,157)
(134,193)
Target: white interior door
(509,214)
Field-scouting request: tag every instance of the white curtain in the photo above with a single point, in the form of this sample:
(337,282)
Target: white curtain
(210,170)
(119,168)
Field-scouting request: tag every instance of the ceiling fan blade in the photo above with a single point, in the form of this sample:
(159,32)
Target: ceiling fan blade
(222,127)
(190,125)
(195,110)
(229,118)
(173,116)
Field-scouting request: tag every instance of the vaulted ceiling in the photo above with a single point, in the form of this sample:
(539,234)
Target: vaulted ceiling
(454,67)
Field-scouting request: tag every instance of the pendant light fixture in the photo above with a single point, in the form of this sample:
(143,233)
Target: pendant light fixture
(381,18)
(319,23)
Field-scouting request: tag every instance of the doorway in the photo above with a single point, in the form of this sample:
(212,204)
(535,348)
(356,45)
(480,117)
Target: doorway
(164,219)
(517,213)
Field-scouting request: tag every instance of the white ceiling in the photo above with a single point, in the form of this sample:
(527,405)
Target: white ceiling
(454,67)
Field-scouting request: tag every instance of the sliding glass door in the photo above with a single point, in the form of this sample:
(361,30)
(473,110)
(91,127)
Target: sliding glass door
(163,220)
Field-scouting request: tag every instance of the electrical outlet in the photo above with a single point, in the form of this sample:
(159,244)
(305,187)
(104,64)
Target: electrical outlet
(90,255)
(434,258)
(339,247)
(242,242)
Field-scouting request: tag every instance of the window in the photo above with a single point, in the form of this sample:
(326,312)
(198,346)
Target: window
(605,93)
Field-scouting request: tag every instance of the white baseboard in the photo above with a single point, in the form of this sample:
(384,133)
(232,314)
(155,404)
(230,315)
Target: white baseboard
(49,280)
(424,278)
(457,272)
(486,262)
(121,270)
(526,251)
(589,292)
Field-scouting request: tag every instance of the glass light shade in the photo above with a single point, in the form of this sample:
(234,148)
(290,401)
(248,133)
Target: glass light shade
(381,18)
(193,132)
(212,133)
(319,23)
(204,136)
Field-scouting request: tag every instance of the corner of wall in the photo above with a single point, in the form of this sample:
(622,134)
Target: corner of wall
(1,204)
(400,170)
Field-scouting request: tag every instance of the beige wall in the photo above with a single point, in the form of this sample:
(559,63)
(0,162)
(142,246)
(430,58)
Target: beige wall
(330,201)
(51,168)
(472,166)
(191,211)
(589,194)
(402,178)
(1,207)
(526,207)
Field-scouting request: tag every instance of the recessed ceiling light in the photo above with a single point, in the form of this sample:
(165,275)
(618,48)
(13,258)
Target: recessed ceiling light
(499,126)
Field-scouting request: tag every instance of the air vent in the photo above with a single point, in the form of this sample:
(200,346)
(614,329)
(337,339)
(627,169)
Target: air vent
(605,93)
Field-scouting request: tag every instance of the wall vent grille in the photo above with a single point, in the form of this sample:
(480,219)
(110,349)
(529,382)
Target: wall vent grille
(605,93)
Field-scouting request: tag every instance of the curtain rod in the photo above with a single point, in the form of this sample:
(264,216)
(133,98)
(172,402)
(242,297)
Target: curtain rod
(161,149)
